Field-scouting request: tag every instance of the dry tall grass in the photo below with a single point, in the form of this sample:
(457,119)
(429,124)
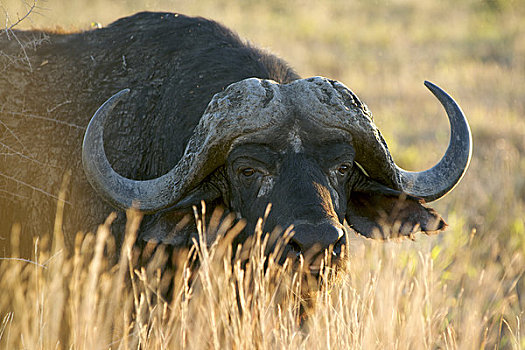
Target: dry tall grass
(462,289)
(390,296)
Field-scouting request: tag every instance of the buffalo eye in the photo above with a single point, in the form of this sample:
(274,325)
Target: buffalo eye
(248,172)
(343,169)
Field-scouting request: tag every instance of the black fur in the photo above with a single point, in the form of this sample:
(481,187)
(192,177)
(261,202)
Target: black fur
(173,65)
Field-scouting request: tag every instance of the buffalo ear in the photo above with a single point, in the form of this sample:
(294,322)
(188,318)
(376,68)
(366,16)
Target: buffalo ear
(175,225)
(213,188)
(377,211)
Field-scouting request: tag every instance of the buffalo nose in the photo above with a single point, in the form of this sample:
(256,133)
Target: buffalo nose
(312,239)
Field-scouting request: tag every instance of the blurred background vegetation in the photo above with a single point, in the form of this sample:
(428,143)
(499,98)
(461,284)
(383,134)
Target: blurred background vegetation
(383,50)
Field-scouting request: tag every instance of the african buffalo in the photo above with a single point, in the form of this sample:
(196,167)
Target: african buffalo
(202,116)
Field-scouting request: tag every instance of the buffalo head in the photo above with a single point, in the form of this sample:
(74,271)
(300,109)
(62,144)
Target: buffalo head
(310,148)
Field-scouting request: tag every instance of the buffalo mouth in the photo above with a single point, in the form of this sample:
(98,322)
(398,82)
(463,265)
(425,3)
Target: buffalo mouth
(322,262)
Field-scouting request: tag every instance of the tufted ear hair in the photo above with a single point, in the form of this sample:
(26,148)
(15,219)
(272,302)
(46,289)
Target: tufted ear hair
(379,212)
(176,225)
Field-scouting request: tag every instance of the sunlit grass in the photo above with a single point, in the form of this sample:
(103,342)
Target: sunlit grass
(390,296)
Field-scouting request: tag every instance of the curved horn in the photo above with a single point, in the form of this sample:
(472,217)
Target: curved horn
(437,181)
(240,110)
(148,195)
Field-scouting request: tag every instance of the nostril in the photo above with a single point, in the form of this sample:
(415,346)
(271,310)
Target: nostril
(338,246)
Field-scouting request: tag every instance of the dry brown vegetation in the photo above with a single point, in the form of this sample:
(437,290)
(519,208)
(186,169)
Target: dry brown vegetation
(462,289)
